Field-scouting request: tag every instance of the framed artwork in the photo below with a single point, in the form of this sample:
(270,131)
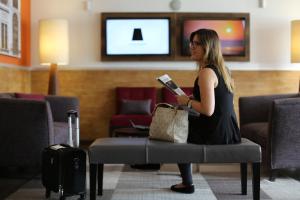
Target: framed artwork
(232,28)
(137,36)
(10,28)
(165,36)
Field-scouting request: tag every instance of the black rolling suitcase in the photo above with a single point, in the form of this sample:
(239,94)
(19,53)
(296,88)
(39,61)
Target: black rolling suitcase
(64,166)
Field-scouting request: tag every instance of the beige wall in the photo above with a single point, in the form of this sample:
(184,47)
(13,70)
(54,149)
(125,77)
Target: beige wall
(95,89)
(269,30)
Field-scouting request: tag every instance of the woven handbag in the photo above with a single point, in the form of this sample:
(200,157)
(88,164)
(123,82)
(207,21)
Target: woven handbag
(169,123)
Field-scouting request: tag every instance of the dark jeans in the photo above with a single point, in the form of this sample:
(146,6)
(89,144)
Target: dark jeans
(186,173)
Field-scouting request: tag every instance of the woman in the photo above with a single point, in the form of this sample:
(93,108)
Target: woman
(212,98)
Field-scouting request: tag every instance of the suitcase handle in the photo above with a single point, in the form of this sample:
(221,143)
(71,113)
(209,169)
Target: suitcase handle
(72,112)
(75,114)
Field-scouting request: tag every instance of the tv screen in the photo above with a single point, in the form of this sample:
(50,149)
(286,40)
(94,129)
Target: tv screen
(138,36)
(232,34)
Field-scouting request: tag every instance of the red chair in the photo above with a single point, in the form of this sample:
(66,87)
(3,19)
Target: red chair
(135,104)
(169,97)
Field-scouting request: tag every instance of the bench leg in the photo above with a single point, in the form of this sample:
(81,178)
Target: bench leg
(93,174)
(256,181)
(100,179)
(243,170)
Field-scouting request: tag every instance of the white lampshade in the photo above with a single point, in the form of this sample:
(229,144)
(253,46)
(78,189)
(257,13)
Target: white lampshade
(54,41)
(295,41)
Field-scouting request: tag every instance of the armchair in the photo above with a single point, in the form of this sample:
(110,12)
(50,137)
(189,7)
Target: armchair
(133,103)
(273,121)
(169,97)
(28,125)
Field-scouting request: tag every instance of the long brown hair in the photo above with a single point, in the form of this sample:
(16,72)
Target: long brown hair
(209,41)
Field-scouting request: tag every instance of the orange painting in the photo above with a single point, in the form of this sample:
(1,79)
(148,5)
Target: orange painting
(231,34)
(24,58)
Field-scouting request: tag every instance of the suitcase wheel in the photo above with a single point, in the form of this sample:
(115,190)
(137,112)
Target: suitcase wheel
(61,193)
(82,197)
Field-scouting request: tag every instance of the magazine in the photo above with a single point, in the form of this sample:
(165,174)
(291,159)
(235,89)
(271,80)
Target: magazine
(139,127)
(169,83)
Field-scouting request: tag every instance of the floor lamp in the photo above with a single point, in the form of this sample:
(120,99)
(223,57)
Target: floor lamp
(295,43)
(53,48)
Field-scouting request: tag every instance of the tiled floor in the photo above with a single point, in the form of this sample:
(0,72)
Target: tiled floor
(213,182)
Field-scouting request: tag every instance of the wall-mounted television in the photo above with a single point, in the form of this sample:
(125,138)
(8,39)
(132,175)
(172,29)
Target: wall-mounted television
(136,36)
(232,28)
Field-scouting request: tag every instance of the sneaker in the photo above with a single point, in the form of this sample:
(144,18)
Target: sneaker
(188,189)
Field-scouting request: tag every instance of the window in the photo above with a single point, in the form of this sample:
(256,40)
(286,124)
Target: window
(4,38)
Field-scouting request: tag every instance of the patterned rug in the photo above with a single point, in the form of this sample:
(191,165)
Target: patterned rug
(123,183)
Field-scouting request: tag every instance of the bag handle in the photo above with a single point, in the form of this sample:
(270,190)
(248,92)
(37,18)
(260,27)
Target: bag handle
(164,105)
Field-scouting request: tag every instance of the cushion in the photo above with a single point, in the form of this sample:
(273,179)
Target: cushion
(246,151)
(168,152)
(135,93)
(256,132)
(135,106)
(39,97)
(118,150)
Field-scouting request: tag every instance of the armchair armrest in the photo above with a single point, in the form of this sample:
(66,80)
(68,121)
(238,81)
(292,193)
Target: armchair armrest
(257,108)
(285,133)
(60,105)
(26,127)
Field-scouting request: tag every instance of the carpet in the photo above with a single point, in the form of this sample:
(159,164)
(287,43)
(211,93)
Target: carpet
(11,179)
(124,183)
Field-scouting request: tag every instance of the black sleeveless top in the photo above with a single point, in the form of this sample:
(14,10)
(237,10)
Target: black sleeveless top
(221,127)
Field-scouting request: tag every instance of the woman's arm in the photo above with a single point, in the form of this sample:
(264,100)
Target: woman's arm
(207,82)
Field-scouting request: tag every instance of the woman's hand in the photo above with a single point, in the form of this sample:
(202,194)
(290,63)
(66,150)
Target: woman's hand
(182,99)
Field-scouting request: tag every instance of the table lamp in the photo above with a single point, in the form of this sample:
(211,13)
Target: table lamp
(295,43)
(53,48)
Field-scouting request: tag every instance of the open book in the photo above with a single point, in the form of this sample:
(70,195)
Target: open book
(168,83)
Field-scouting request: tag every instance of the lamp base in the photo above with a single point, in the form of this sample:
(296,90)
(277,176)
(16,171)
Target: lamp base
(53,80)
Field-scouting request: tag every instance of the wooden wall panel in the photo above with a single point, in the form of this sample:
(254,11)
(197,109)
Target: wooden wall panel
(14,80)
(95,89)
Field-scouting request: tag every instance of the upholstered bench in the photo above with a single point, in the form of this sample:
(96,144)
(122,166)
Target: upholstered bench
(144,151)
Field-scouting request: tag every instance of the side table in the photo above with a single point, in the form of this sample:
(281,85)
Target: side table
(130,132)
